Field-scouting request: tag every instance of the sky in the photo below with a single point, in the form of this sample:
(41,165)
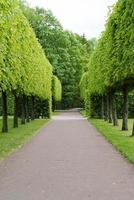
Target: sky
(80,16)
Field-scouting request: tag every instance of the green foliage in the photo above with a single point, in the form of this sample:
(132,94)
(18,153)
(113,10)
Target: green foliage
(84,85)
(56,89)
(112,62)
(111,65)
(67,52)
(24,67)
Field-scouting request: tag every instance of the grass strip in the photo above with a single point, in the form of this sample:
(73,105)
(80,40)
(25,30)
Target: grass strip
(18,136)
(121,140)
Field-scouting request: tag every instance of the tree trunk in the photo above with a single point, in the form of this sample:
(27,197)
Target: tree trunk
(42,108)
(23,115)
(15,122)
(27,109)
(114,111)
(133,129)
(110,108)
(32,111)
(4,113)
(125,109)
(107,108)
(102,107)
(53,104)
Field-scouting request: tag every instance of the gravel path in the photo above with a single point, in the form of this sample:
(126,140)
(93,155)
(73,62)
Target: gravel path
(67,160)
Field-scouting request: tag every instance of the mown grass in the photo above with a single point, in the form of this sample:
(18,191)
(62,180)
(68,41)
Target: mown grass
(121,140)
(13,140)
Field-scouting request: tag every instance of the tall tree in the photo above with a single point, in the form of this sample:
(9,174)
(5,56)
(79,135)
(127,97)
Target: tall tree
(67,52)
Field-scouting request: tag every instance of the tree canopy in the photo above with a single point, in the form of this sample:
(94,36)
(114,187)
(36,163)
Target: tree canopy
(24,69)
(67,52)
(57,89)
(112,61)
(111,65)
(24,66)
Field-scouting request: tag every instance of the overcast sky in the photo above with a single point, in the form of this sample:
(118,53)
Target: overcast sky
(80,16)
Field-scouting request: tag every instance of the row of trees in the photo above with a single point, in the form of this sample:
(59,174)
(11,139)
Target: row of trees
(57,92)
(25,72)
(66,51)
(111,66)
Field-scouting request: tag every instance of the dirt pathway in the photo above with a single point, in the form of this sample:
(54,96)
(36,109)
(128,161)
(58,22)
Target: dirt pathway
(67,160)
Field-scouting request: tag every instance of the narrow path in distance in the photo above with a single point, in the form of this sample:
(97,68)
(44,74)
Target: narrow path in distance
(67,160)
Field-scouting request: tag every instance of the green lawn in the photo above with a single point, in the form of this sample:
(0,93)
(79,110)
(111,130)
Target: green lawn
(121,140)
(17,137)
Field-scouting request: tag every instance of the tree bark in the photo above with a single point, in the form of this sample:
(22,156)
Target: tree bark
(102,107)
(4,113)
(23,112)
(125,109)
(33,109)
(107,108)
(114,111)
(133,129)
(42,109)
(15,121)
(53,104)
(27,109)
(110,108)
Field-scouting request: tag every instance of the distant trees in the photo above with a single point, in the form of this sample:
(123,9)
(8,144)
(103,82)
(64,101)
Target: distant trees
(56,92)
(67,52)
(111,67)
(25,72)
